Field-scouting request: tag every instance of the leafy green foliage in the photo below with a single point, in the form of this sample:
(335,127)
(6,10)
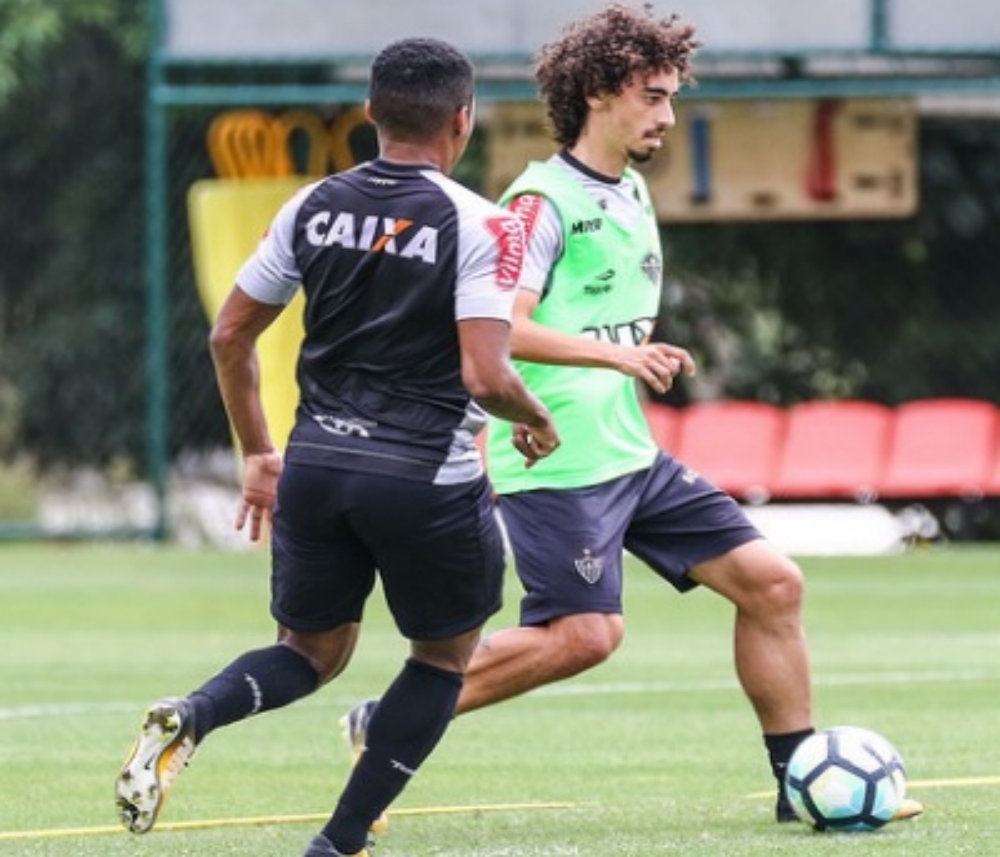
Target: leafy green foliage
(71,293)
(783,312)
(31,30)
(887,310)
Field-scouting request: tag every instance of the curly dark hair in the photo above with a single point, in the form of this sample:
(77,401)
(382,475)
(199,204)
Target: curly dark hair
(417,85)
(599,54)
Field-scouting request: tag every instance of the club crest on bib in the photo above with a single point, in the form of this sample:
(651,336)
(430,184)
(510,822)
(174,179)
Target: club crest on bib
(589,567)
(652,267)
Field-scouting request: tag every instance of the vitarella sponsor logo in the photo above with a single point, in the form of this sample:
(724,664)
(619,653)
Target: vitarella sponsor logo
(510,250)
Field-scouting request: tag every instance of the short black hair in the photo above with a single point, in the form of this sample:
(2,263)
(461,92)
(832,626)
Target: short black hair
(417,86)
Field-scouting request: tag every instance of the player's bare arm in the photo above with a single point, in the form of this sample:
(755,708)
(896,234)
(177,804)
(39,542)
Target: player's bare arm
(234,351)
(493,383)
(655,363)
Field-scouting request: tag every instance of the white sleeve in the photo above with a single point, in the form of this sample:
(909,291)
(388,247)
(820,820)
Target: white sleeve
(543,235)
(491,254)
(271,275)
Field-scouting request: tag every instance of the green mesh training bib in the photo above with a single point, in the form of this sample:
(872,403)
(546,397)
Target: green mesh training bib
(606,285)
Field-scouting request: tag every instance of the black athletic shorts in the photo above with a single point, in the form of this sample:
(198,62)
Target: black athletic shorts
(437,548)
(568,543)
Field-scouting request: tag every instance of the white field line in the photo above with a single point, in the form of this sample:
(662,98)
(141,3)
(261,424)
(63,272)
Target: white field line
(833,680)
(577,688)
(940,783)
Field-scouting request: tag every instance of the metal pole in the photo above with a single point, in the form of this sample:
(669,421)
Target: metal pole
(157,362)
(880,26)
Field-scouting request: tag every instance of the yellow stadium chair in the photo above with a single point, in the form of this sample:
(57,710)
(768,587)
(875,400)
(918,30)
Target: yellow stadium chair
(227,219)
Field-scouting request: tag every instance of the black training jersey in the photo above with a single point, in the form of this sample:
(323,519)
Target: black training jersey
(389,256)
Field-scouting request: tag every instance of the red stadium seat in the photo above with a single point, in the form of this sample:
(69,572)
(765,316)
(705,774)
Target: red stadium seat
(833,449)
(992,488)
(733,444)
(664,423)
(941,448)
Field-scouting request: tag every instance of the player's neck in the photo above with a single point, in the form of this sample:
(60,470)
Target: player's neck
(600,159)
(426,154)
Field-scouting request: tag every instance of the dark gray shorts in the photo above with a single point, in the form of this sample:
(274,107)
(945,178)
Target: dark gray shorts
(437,549)
(568,543)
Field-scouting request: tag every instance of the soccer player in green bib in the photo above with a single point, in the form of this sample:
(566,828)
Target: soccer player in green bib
(588,300)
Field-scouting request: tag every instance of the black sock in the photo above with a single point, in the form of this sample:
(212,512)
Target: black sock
(410,719)
(780,749)
(255,682)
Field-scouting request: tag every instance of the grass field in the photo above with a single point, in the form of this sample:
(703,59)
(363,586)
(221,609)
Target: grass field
(654,753)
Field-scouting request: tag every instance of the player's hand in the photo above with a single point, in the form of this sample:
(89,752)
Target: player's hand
(260,487)
(535,442)
(655,363)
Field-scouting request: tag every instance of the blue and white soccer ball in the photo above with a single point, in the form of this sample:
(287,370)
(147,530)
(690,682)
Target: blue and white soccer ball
(846,778)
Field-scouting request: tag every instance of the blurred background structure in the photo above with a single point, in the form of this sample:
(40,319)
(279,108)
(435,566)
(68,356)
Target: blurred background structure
(830,203)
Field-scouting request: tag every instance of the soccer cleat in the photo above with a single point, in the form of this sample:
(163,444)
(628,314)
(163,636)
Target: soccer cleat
(323,847)
(784,812)
(908,809)
(163,748)
(354,725)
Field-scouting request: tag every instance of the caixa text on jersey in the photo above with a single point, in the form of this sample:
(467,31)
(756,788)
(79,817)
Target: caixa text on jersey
(373,234)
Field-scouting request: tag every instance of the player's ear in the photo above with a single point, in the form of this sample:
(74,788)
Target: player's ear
(464,121)
(598,101)
(368,111)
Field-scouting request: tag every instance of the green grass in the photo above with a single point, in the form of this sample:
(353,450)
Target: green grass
(657,751)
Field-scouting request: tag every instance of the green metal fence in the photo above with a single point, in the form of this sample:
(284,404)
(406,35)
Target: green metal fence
(183,485)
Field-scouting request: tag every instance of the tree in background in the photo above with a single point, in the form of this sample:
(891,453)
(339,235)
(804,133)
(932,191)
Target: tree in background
(888,310)
(71,291)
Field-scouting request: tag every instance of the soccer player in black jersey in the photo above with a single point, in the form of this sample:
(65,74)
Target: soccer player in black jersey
(409,281)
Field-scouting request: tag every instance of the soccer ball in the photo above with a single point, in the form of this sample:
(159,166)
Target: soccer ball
(846,778)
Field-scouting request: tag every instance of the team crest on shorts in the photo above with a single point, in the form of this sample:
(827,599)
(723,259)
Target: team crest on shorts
(589,567)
